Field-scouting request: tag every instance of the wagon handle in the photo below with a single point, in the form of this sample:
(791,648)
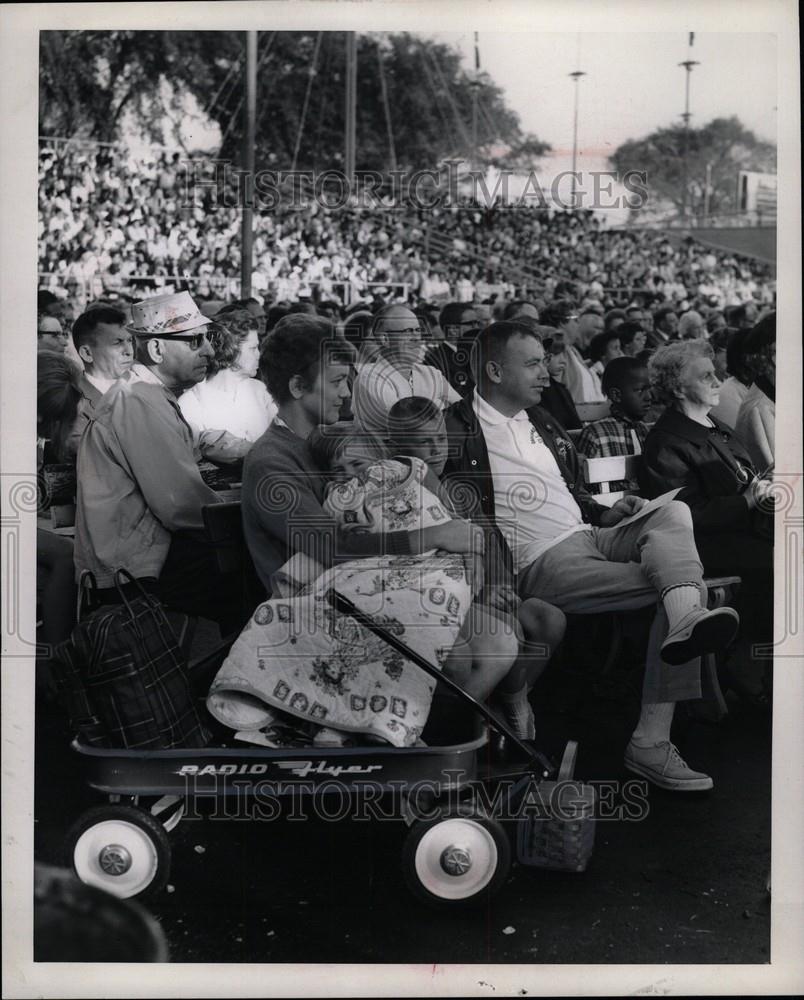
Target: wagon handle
(345,607)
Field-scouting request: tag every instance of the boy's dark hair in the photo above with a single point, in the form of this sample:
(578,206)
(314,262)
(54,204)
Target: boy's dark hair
(299,345)
(408,414)
(492,340)
(618,371)
(87,323)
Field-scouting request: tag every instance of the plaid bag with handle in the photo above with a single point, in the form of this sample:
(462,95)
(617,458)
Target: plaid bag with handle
(123,679)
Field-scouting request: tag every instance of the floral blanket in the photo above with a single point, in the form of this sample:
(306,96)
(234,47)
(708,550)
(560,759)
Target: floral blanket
(300,656)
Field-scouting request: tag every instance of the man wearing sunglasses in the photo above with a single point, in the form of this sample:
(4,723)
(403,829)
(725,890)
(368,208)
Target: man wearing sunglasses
(140,493)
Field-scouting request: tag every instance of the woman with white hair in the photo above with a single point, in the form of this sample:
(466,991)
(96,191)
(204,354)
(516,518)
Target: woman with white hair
(691,326)
(731,506)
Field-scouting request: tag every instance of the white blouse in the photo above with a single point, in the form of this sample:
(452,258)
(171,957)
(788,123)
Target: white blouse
(229,401)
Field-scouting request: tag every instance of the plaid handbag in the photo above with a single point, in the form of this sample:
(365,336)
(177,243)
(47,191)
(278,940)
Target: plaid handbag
(122,677)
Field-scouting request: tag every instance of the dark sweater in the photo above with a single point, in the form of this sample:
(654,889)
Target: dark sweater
(558,403)
(282,498)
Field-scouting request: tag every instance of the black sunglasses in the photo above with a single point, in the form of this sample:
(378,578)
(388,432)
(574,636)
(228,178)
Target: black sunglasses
(195,340)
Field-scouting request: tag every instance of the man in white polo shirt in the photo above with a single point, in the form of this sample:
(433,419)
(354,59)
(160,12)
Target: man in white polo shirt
(521,470)
(397,374)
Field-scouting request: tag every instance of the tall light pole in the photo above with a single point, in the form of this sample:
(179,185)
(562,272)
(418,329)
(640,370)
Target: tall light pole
(351,106)
(249,115)
(576,76)
(475,88)
(687,64)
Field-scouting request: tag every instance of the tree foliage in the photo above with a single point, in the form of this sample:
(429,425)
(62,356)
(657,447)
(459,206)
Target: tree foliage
(91,79)
(724,144)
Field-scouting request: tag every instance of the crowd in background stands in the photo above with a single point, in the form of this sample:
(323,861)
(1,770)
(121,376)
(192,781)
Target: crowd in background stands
(113,225)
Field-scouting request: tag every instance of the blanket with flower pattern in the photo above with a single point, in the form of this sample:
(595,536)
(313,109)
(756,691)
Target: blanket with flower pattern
(300,656)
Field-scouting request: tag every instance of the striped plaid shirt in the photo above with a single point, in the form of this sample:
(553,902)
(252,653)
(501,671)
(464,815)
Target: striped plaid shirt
(614,435)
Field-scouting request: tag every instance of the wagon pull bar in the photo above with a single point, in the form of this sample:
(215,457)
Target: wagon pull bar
(345,607)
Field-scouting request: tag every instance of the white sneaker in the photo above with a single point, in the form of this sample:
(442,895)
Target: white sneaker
(700,632)
(664,766)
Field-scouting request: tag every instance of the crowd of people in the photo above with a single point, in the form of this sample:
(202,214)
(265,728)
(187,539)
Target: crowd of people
(422,455)
(114,224)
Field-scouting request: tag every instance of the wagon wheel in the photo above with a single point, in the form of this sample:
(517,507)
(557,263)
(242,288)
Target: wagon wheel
(457,859)
(121,849)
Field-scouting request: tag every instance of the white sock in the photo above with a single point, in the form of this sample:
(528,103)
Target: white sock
(679,600)
(654,723)
(516,711)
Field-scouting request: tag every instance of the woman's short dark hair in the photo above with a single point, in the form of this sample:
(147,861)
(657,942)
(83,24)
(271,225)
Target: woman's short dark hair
(357,327)
(226,335)
(599,343)
(628,330)
(299,345)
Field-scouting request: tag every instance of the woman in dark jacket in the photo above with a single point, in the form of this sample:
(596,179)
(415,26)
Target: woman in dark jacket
(732,506)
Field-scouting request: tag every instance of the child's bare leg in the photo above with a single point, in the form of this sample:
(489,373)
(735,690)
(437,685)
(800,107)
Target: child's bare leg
(484,653)
(543,628)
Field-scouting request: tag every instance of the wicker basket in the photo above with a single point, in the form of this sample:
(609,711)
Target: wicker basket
(559,842)
(556,829)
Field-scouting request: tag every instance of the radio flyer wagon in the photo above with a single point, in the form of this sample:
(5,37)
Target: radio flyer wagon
(458,847)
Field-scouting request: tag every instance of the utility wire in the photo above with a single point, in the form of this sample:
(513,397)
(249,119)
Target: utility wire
(306,98)
(236,111)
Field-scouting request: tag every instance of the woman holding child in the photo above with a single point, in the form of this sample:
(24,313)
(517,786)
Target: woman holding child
(380,534)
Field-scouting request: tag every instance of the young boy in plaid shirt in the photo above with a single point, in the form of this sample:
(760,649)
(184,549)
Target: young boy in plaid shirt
(625,382)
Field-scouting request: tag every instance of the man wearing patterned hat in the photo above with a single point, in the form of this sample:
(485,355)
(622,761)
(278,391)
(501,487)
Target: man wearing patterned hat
(140,494)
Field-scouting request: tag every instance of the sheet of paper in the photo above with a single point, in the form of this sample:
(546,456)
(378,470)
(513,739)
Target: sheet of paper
(650,506)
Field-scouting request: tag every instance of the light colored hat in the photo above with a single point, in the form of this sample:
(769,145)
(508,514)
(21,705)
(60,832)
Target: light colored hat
(166,315)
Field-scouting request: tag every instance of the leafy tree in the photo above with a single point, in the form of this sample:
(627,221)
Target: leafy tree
(90,80)
(724,144)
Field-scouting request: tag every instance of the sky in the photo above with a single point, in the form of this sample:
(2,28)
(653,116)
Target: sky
(634,83)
